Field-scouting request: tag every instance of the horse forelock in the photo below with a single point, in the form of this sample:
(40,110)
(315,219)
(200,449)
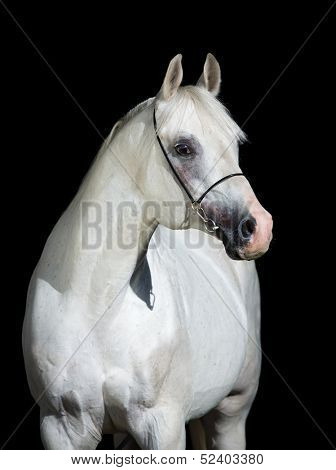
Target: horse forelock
(210,111)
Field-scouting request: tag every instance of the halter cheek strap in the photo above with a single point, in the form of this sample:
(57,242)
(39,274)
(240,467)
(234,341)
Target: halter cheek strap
(210,224)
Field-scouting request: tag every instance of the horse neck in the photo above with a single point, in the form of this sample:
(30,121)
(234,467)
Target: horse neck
(109,184)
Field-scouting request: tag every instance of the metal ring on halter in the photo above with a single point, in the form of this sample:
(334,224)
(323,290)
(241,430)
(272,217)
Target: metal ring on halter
(210,225)
(211,228)
(195,205)
(201,213)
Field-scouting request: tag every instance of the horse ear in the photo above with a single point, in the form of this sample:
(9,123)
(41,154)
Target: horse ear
(211,76)
(172,79)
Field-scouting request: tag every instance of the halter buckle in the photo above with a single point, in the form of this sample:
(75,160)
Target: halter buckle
(210,225)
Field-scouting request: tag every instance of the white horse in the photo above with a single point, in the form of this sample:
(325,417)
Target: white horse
(119,342)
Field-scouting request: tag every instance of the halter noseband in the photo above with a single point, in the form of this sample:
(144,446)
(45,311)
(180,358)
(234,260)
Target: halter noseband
(210,225)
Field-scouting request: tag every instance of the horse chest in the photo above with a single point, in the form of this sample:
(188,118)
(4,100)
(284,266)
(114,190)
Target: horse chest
(205,297)
(208,338)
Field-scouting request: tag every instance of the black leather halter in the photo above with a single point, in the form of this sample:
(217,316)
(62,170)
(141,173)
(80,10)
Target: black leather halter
(210,224)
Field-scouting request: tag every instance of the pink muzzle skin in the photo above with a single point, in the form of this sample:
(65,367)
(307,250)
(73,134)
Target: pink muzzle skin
(262,235)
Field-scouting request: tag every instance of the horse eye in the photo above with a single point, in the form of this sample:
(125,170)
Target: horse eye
(183,149)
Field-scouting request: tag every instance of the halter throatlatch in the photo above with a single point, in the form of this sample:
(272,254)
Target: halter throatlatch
(210,225)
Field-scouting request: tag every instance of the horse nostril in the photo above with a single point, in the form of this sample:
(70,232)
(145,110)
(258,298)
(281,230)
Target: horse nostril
(246,228)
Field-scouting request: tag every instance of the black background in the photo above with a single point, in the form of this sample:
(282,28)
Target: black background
(111,60)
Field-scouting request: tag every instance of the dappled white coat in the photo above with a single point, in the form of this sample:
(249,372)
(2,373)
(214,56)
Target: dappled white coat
(108,351)
(182,354)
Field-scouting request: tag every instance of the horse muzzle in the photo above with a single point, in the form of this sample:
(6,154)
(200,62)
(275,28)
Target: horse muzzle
(248,238)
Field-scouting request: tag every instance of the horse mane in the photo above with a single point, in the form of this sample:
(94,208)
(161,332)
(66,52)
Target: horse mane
(133,112)
(206,106)
(124,120)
